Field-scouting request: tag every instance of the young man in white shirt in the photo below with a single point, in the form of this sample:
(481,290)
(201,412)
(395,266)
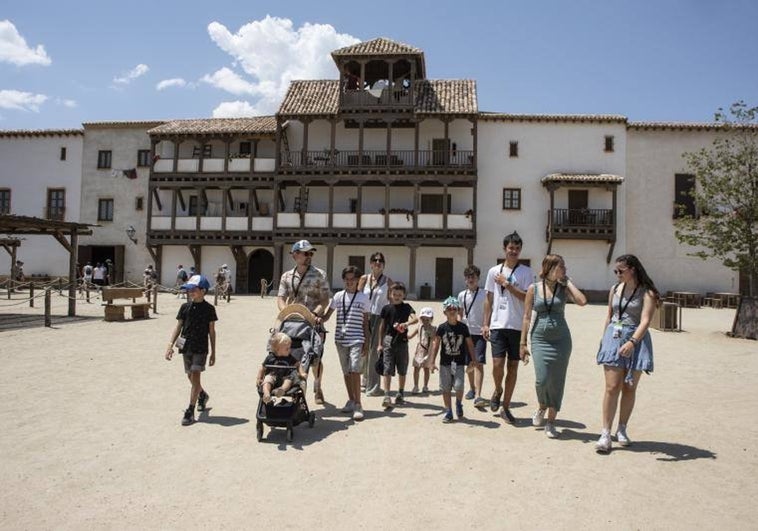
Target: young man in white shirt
(505,289)
(471,313)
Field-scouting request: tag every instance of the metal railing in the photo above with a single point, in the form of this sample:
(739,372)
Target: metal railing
(582,217)
(379,158)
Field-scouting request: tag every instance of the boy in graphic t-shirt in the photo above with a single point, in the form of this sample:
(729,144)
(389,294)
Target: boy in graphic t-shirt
(396,317)
(454,342)
(196,323)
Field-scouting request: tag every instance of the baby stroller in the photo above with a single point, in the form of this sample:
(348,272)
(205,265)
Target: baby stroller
(297,322)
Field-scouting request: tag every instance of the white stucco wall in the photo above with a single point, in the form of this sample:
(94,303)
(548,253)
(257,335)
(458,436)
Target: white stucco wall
(29,165)
(124,142)
(545,148)
(653,158)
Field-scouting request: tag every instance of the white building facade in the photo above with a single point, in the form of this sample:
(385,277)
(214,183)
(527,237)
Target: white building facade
(40,176)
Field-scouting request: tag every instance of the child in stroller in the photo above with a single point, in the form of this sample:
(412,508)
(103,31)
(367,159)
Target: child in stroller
(283,375)
(280,370)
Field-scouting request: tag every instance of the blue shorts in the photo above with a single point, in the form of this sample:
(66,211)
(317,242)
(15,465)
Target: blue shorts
(505,341)
(480,348)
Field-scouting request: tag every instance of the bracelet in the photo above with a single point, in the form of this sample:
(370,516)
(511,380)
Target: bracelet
(522,344)
(634,341)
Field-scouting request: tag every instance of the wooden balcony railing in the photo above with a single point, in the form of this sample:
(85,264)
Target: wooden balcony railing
(396,97)
(378,158)
(582,222)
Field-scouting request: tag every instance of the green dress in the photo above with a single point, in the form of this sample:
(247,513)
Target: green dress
(551,346)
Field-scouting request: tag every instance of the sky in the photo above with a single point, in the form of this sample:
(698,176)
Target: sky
(65,63)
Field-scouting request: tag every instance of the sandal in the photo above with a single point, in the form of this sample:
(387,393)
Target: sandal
(495,400)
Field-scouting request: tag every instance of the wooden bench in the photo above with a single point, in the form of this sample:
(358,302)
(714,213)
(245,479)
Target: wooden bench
(115,311)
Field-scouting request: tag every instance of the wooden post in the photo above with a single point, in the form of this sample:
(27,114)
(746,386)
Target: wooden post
(86,290)
(48,321)
(60,286)
(215,295)
(72,273)
(31,294)
(155,298)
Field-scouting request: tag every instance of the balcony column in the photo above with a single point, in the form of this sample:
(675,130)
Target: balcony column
(416,142)
(173,208)
(359,207)
(444,207)
(332,141)
(390,75)
(250,201)
(224,193)
(227,149)
(469,254)
(448,147)
(413,247)
(329,262)
(330,222)
(302,207)
(363,78)
(416,199)
(150,192)
(386,206)
(304,156)
(253,156)
(360,142)
(389,141)
(176,143)
(201,141)
(278,154)
(278,247)
(199,191)
(475,135)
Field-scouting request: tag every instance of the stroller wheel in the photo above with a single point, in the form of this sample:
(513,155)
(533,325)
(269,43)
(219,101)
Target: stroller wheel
(259,431)
(289,433)
(311,419)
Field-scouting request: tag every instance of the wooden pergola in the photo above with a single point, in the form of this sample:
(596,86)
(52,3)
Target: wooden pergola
(11,225)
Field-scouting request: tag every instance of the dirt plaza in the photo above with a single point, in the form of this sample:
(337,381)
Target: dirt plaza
(91,438)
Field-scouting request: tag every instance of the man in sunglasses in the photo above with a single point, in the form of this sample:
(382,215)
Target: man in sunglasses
(307,285)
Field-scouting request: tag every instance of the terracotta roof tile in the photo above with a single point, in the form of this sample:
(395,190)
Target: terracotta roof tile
(261,125)
(123,124)
(437,96)
(41,132)
(507,117)
(582,178)
(687,126)
(379,46)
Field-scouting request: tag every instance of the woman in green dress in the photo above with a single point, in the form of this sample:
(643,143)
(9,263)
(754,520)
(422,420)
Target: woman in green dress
(551,337)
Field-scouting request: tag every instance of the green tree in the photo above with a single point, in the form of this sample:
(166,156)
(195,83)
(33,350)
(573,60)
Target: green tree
(726,195)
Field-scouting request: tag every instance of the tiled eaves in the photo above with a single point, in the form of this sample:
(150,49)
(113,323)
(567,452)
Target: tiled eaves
(21,133)
(254,125)
(378,46)
(570,118)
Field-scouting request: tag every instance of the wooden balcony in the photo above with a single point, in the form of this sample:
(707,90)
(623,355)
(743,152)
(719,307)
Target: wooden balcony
(326,161)
(213,169)
(385,98)
(582,224)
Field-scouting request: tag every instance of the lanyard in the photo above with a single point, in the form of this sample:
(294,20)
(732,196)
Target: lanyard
(296,289)
(376,285)
(621,309)
(544,296)
(502,289)
(466,311)
(344,311)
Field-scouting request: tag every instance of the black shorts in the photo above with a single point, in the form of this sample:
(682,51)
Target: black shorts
(480,348)
(395,356)
(505,341)
(194,362)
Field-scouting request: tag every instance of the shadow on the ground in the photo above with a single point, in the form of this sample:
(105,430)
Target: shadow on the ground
(18,321)
(206,418)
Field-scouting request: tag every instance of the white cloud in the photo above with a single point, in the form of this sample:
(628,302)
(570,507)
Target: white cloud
(230,81)
(173,82)
(66,103)
(13,47)
(235,109)
(273,53)
(138,71)
(21,101)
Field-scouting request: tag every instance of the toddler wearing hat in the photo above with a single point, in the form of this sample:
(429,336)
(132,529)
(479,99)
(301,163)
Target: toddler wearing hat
(422,359)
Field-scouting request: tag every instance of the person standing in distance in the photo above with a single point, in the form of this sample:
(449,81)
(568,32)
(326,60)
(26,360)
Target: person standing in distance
(306,285)
(505,290)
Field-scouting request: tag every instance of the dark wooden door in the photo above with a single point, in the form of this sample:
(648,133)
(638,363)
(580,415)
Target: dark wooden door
(443,278)
(578,201)
(357,261)
(440,151)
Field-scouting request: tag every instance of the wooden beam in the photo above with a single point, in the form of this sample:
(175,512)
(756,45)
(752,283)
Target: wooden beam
(72,274)
(197,255)
(62,240)
(181,198)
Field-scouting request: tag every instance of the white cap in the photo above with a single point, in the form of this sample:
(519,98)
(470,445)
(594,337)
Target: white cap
(426,311)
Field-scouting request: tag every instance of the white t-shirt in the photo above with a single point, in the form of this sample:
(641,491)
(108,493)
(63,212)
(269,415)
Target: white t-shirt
(99,273)
(507,310)
(472,308)
(349,308)
(377,293)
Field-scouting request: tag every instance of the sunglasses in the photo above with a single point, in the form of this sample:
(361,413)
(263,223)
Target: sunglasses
(620,271)
(378,261)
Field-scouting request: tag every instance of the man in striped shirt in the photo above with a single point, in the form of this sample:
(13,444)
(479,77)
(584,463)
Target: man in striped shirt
(350,333)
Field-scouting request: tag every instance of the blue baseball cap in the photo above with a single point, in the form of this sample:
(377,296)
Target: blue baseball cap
(197,281)
(451,302)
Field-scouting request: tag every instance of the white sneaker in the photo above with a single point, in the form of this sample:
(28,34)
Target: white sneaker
(414,391)
(358,413)
(550,432)
(621,437)
(603,444)
(349,405)
(538,419)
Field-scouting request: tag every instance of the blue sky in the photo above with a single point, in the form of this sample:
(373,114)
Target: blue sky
(64,63)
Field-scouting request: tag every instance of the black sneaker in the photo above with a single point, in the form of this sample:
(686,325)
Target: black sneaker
(507,416)
(189,417)
(399,400)
(202,400)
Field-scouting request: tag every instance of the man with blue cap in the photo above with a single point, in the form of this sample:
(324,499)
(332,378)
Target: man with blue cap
(306,285)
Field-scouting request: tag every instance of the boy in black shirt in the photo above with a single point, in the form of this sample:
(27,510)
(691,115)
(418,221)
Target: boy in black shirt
(396,317)
(457,350)
(196,322)
(280,370)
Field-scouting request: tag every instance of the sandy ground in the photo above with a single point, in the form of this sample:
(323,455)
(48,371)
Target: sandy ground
(91,438)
